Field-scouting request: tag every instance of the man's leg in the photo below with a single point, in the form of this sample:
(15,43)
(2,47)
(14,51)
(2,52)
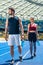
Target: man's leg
(18,43)
(11,44)
(20,51)
(12,51)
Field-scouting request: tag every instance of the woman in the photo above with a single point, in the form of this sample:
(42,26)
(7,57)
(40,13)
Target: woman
(32,36)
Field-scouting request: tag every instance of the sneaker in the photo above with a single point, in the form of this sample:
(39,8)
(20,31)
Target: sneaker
(12,61)
(31,57)
(34,54)
(20,58)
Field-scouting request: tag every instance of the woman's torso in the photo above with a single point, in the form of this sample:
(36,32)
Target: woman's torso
(32,27)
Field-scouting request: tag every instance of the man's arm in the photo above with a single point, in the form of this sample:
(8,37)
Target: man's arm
(21,26)
(6,26)
(6,29)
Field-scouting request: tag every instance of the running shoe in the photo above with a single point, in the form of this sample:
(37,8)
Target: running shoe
(20,58)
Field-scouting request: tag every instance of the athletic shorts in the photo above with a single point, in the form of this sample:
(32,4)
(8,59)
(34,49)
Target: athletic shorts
(14,39)
(32,37)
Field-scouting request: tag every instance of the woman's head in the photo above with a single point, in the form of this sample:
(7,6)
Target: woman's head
(31,19)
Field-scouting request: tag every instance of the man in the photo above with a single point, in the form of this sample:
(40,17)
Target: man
(12,27)
(32,36)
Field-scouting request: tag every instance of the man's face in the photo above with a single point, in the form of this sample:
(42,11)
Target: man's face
(31,19)
(9,12)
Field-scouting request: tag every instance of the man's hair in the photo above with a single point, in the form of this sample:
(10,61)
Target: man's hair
(12,9)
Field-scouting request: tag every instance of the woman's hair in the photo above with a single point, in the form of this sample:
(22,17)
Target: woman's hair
(31,18)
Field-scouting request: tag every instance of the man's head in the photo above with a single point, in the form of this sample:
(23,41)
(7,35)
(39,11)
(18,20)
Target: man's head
(32,20)
(11,11)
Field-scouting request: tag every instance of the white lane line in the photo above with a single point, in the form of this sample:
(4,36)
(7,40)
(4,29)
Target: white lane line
(4,48)
(23,57)
(9,51)
(6,53)
(26,54)
(3,42)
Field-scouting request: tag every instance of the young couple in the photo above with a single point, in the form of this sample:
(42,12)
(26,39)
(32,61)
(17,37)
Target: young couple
(12,27)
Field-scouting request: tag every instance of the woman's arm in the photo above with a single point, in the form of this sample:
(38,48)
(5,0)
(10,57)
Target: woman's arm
(28,30)
(37,31)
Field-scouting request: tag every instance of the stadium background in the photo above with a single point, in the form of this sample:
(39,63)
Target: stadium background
(24,9)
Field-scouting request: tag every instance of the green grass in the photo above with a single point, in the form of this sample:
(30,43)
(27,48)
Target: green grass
(2,35)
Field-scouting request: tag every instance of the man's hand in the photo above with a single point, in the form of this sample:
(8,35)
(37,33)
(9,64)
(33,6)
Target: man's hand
(22,37)
(6,36)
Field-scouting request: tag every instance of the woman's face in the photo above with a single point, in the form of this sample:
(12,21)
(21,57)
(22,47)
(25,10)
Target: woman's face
(32,20)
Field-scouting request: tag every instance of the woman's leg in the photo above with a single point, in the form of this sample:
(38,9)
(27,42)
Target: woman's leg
(31,48)
(34,48)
